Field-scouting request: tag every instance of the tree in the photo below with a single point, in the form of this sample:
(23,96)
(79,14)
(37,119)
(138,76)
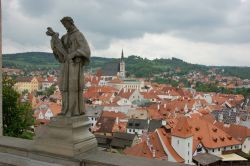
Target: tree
(17,115)
(49,91)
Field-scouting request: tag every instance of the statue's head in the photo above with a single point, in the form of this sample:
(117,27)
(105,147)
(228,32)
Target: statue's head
(67,22)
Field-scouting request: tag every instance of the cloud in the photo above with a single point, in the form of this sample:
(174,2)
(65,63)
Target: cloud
(104,22)
(163,45)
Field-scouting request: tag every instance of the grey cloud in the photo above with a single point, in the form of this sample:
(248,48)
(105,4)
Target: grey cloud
(36,8)
(105,20)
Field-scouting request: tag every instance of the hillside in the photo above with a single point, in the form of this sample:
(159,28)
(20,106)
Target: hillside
(135,65)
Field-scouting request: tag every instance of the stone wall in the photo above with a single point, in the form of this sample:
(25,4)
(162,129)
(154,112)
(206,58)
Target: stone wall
(20,152)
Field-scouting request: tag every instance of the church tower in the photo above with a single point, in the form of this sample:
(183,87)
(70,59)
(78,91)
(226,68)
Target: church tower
(122,67)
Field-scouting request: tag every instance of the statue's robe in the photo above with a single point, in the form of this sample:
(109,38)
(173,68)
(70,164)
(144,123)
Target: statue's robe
(71,78)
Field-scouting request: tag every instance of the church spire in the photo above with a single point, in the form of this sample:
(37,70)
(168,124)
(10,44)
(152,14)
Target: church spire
(122,56)
(122,66)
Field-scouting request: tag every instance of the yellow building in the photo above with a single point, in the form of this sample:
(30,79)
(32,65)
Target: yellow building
(30,84)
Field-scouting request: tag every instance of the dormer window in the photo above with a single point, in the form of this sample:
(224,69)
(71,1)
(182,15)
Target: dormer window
(214,129)
(222,138)
(197,128)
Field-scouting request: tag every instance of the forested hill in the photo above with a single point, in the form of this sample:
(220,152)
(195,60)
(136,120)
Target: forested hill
(135,65)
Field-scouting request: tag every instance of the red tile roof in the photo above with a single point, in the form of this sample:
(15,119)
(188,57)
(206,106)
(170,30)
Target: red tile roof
(210,135)
(182,128)
(116,81)
(126,93)
(147,148)
(113,114)
(238,132)
(140,150)
(154,114)
(166,140)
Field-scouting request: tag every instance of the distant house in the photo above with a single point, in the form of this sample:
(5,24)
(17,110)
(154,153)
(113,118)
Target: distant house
(137,126)
(110,122)
(27,83)
(157,145)
(104,126)
(230,115)
(131,95)
(190,139)
(123,140)
(44,111)
(93,113)
(48,82)
(130,84)
(138,114)
(241,133)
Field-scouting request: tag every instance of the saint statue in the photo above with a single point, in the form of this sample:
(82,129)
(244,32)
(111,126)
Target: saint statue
(72,52)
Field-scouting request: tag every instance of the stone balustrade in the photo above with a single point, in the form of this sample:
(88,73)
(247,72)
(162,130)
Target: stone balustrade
(16,151)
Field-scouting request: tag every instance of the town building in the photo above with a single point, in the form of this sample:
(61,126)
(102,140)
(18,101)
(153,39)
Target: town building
(27,83)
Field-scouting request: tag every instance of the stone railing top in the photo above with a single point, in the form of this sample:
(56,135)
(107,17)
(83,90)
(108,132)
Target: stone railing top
(92,158)
(17,143)
(123,160)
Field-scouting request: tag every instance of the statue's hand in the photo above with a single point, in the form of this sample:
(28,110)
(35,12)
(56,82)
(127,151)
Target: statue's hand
(70,56)
(51,32)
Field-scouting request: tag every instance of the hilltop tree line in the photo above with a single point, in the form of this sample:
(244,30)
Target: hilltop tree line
(135,65)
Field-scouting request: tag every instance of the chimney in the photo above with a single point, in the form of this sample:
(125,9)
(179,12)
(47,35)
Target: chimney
(153,153)
(148,140)
(117,120)
(158,107)
(165,105)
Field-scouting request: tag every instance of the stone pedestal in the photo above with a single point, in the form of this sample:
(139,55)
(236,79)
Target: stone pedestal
(66,136)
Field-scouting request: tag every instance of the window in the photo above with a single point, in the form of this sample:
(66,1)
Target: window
(188,144)
(213,150)
(219,149)
(129,130)
(231,147)
(178,142)
(199,149)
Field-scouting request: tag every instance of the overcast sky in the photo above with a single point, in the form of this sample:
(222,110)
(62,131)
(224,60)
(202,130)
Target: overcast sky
(210,32)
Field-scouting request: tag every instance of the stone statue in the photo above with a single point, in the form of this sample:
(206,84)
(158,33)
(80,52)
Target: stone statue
(68,134)
(73,52)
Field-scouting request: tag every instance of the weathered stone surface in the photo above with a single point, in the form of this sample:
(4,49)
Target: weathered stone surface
(72,52)
(96,158)
(67,136)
